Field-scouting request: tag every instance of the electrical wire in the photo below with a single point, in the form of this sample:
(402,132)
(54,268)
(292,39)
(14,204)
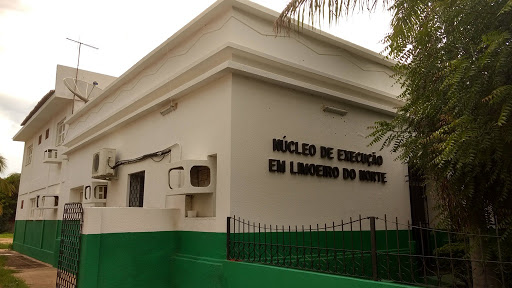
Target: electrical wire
(161,153)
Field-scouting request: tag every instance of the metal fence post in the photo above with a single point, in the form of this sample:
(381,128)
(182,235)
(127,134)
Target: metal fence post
(374,249)
(228,242)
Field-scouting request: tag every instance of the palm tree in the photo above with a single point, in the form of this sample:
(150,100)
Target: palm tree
(442,49)
(3,163)
(315,11)
(6,185)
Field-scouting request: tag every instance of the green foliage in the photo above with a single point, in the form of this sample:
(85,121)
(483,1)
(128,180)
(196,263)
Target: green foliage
(454,65)
(6,235)
(455,70)
(5,245)
(455,125)
(458,265)
(8,202)
(316,11)
(5,187)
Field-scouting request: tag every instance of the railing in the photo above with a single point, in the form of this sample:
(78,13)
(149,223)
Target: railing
(378,249)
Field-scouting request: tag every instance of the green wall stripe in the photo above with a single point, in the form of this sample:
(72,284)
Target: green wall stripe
(39,239)
(184,259)
(249,275)
(173,259)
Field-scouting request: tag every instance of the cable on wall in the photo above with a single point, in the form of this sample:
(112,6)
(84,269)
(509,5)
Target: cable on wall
(161,153)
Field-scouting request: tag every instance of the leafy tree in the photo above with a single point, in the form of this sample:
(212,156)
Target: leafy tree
(454,64)
(8,202)
(4,185)
(8,197)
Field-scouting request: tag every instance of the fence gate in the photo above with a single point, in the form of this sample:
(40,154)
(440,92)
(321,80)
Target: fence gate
(69,254)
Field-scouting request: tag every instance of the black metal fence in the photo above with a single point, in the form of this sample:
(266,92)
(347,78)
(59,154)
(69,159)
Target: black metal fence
(376,248)
(69,253)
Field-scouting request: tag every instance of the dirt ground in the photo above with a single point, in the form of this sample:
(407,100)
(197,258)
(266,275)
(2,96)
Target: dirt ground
(35,273)
(6,240)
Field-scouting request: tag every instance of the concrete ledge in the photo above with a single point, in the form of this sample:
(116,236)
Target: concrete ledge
(46,256)
(103,220)
(248,275)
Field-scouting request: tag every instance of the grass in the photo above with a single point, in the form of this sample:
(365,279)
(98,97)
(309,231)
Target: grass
(7,280)
(6,235)
(6,246)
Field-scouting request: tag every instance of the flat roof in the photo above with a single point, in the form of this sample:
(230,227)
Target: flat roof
(37,107)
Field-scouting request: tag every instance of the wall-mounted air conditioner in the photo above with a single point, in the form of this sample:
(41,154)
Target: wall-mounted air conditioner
(188,177)
(52,155)
(95,193)
(102,163)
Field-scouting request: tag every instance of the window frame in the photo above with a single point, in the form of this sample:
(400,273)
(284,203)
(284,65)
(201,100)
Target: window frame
(60,135)
(33,206)
(28,154)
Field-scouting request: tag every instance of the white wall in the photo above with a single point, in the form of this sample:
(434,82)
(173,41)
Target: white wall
(311,53)
(236,118)
(174,61)
(263,111)
(200,125)
(38,178)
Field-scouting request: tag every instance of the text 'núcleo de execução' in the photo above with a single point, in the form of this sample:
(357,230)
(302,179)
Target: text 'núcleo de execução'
(326,171)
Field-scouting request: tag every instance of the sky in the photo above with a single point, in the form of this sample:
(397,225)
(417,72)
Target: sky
(33,41)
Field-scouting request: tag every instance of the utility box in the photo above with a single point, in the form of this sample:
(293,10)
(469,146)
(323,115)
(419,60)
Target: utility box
(103,162)
(52,156)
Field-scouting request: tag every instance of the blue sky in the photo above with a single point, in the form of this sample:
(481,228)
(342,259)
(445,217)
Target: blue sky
(33,41)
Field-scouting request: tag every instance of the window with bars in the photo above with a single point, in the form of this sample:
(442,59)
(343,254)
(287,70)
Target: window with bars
(28,158)
(61,129)
(136,193)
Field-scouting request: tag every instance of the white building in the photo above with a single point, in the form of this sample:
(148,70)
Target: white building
(219,99)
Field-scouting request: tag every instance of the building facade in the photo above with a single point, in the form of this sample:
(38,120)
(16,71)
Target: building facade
(224,118)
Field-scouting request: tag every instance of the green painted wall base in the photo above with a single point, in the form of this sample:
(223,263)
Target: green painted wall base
(186,259)
(39,239)
(249,275)
(178,259)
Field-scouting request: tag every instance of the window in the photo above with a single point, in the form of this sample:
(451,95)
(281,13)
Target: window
(40,139)
(100,192)
(22,204)
(28,156)
(47,133)
(136,196)
(200,176)
(61,128)
(176,178)
(32,208)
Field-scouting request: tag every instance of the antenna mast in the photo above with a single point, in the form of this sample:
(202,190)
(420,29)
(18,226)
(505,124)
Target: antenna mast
(80,46)
(77,65)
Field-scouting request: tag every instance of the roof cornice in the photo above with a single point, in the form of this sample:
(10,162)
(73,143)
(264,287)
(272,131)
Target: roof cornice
(202,19)
(38,106)
(278,71)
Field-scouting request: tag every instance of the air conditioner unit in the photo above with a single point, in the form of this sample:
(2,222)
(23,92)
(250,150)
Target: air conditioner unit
(102,163)
(188,177)
(52,156)
(95,193)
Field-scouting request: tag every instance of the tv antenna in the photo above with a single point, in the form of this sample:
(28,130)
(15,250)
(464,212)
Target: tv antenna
(80,89)
(79,47)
